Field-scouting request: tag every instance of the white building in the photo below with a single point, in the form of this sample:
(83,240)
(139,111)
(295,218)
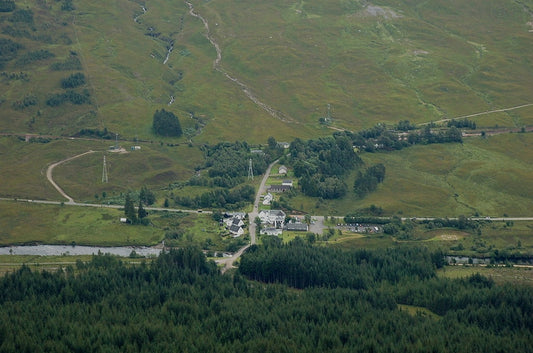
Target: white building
(267,199)
(272,218)
(236,231)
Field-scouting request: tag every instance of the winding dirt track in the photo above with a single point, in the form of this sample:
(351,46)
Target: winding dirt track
(51,180)
(481,113)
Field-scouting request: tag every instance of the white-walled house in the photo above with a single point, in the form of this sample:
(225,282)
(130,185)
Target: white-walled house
(273,218)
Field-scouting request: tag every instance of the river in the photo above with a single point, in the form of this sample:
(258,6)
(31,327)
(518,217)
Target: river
(58,250)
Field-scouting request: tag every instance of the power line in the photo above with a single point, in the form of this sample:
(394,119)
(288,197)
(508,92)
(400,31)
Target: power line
(104,172)
(250,170)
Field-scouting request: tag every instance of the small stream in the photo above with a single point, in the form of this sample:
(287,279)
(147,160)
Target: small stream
(171,47)
(136,18)
(216,65)
(59,250)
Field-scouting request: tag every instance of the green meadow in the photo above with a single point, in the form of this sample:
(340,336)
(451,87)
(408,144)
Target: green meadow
(32,223)
(26,223)
(489,176)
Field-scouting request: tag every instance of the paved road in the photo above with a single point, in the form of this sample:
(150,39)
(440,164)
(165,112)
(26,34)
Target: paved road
(255,212)
(228,262)
(83,204)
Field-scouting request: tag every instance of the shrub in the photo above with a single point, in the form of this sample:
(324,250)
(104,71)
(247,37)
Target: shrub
(7,5)
(73,80)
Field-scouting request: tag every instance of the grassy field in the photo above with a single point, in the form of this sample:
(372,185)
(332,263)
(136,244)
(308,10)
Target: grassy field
(154,166)
(25,223)
(491,240)
(500,275)
(31,223)
(485,176)
(24,168)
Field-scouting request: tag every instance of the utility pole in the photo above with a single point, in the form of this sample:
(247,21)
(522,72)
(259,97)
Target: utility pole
(104,172)
(328,114)
(250,170)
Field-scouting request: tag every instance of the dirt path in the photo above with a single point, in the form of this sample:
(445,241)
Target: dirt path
(481,113)
(50,177)
(216,65)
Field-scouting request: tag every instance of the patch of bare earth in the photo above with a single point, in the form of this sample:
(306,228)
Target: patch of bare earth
(449,237)
(378,11)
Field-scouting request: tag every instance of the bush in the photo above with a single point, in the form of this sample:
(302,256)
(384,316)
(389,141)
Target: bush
(7,5)
(67,5)
(69,96)
(25,102)
(72,63)
(32,56)
(22,15)
(8,49)
(73,80)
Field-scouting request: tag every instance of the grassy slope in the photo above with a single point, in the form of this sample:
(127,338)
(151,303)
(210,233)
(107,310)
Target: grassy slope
(24,168)
(489,176)
(49,31)
(435,59)
(154,166)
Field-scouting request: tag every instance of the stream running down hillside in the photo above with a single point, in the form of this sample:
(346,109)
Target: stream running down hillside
(216,65)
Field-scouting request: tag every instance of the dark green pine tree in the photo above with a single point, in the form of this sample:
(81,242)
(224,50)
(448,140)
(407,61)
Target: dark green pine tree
(129,209)
(141,212)
(166,124)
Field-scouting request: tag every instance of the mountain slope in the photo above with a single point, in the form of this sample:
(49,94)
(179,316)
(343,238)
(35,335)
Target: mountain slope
(371,62)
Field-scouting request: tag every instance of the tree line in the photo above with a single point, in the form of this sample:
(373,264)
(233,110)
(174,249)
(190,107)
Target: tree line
(226,168)
(231,199)
(231,160)
(301,265)
(180,302)
(321,163)
(404,134)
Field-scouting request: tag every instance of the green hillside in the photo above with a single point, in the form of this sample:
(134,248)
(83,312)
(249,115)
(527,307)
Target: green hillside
(371,62)
(244,71)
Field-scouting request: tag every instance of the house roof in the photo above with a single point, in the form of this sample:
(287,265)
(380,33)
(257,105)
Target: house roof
(272,213)
(236,221)
(235,229)
(278,188)
(297,226)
